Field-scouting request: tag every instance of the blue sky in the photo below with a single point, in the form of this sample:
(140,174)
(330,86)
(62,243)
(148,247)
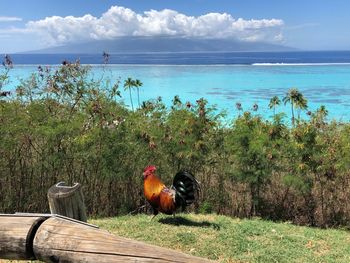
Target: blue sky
(307,24)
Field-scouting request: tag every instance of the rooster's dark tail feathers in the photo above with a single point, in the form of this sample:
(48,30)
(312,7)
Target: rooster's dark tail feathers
(186,187)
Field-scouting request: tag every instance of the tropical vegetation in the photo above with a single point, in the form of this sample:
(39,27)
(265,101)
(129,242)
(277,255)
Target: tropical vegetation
(61,125)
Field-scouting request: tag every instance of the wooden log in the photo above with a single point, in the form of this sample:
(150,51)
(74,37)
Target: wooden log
(61,240)
(67,201)
(16,236)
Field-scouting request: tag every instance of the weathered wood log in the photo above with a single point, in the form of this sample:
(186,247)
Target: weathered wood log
(59,240)
(17,235)
(53,238)
(67,201)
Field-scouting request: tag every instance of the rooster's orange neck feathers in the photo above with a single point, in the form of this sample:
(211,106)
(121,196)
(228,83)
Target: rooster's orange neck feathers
(152,185)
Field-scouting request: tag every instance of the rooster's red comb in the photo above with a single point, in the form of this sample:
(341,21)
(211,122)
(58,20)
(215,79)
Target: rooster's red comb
(150,168)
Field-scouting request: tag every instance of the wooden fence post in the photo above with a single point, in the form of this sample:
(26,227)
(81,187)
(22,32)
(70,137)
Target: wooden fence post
(67,201)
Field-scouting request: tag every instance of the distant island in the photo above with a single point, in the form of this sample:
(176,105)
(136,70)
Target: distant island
(162,44)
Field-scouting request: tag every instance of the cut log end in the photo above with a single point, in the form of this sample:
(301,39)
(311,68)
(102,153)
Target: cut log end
(67,201)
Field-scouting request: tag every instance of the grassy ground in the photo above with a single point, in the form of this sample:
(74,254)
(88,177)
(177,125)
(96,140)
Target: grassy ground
(234,240)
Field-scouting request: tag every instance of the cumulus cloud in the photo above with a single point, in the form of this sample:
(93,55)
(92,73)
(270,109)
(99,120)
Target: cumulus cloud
(120,21)
(9,19)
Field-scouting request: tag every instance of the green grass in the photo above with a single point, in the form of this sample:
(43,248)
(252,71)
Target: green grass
(234,240)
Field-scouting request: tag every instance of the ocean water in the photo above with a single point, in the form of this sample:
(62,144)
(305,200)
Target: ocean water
(195,58)
(222,78)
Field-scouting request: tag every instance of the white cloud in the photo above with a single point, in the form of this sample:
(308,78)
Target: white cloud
(9,19)
(120,21)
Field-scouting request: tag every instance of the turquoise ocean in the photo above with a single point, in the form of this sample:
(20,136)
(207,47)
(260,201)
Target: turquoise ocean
(247,79)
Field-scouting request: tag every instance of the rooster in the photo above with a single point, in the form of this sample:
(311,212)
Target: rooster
(167,200)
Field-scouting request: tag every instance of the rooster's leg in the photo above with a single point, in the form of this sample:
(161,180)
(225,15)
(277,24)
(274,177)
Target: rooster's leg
(176,220)
(155,212)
